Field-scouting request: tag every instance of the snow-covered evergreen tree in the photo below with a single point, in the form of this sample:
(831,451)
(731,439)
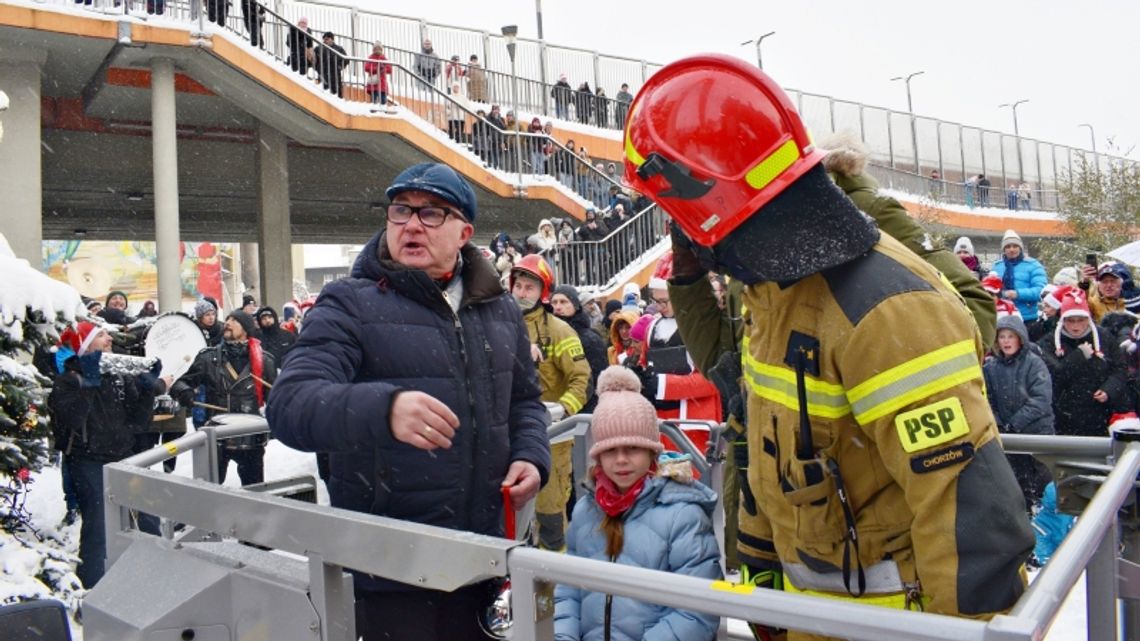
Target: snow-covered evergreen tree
(37,558)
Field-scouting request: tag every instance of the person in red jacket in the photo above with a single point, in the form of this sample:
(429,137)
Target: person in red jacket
(376,75)
(677,390)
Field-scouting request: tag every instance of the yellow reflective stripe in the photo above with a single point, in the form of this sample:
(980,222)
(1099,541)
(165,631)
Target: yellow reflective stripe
(896,600)
(570,402)
(567,343)
(778,384)
(914,380)
(768,169)
(631,153)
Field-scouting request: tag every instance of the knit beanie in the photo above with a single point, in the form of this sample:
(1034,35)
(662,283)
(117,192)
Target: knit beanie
(623,417)
(964,244)
(1067,276)
(117,292)
(1012,238)
(247,300)
(80,337)
(569,292)
(203,307)
(640,330)
(245,320)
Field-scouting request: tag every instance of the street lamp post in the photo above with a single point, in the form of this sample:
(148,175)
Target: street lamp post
(910,108)
(1017,136)
(1092,136)
(759,58)
(511,33)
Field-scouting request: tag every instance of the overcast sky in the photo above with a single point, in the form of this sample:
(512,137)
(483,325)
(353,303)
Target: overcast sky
(1076,62)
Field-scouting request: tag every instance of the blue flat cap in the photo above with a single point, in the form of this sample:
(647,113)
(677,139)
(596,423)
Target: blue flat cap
(440,180)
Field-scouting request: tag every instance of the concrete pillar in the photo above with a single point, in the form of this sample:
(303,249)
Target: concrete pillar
(21,172)
(274,237)
(250,271)
(165,150)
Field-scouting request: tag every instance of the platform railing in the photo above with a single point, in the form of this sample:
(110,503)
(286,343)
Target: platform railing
(1093,547)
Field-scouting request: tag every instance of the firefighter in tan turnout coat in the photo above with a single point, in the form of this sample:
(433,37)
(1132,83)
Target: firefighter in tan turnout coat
(874,472)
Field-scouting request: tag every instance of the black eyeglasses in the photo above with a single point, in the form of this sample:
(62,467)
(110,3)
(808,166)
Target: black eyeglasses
(430,215)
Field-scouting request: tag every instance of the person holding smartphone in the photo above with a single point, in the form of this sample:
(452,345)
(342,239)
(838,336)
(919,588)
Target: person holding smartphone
(1115,291)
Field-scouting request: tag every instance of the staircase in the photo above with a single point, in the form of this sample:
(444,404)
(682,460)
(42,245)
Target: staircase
(607,264)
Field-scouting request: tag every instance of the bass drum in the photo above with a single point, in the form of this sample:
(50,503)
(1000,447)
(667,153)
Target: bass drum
(175,339)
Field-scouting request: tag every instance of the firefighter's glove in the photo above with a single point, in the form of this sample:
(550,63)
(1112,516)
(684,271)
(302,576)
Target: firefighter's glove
(769,579)
(686,266)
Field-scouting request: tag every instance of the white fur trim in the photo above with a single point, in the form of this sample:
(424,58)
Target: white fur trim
(91,336)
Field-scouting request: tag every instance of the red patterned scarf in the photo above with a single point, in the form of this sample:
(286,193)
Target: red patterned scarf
(612,501)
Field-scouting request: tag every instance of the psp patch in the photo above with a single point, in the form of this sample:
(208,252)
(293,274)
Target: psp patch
(931,425)
(939,459)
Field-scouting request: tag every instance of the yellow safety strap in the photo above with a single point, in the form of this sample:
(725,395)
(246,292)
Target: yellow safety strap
(896,600)
(914,380)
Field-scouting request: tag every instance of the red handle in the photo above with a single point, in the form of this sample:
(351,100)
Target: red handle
(508,513)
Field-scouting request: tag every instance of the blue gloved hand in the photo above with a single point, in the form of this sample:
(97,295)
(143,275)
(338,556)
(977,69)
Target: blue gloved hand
(89,370)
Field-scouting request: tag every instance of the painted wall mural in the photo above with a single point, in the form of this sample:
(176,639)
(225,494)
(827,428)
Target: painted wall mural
(96,268)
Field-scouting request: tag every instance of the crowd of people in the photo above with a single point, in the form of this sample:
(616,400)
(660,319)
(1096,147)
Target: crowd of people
(1064,361)
(456,439)
(103,399)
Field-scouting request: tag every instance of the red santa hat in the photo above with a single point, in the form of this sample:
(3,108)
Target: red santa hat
(1074,303)
(1055,295)
(80,337)
(1006,308)
(992,283)
(663,273)
(1126,420)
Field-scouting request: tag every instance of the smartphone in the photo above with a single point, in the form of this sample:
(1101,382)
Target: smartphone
(1090,260)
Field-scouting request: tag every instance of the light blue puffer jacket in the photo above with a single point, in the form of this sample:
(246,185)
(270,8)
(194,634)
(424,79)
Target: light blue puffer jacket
(1029,278)
(669,528)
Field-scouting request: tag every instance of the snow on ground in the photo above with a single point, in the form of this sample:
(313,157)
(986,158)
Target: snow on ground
(46,504)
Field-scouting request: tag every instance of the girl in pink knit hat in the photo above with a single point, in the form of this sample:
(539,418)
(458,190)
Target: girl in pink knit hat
(635,516)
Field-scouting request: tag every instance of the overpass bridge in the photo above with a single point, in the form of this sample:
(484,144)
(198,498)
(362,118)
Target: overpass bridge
(126,125)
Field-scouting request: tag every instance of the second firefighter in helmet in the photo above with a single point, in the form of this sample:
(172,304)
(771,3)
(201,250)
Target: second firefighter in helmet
(852,345)
(564,375)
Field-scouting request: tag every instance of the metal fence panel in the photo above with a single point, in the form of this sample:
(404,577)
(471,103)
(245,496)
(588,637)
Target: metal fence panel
(816,114)
(877,135)
(927,132)
(902,141)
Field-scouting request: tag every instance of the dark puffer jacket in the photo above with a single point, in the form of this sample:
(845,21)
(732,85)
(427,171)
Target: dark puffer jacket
(1019,388)
(388,329)
(99,420)
(1076,379)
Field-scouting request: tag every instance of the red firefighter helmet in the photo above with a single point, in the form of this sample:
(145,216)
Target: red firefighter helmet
(712,139)
(534,265)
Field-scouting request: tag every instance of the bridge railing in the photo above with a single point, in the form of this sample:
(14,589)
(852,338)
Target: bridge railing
(955,150)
